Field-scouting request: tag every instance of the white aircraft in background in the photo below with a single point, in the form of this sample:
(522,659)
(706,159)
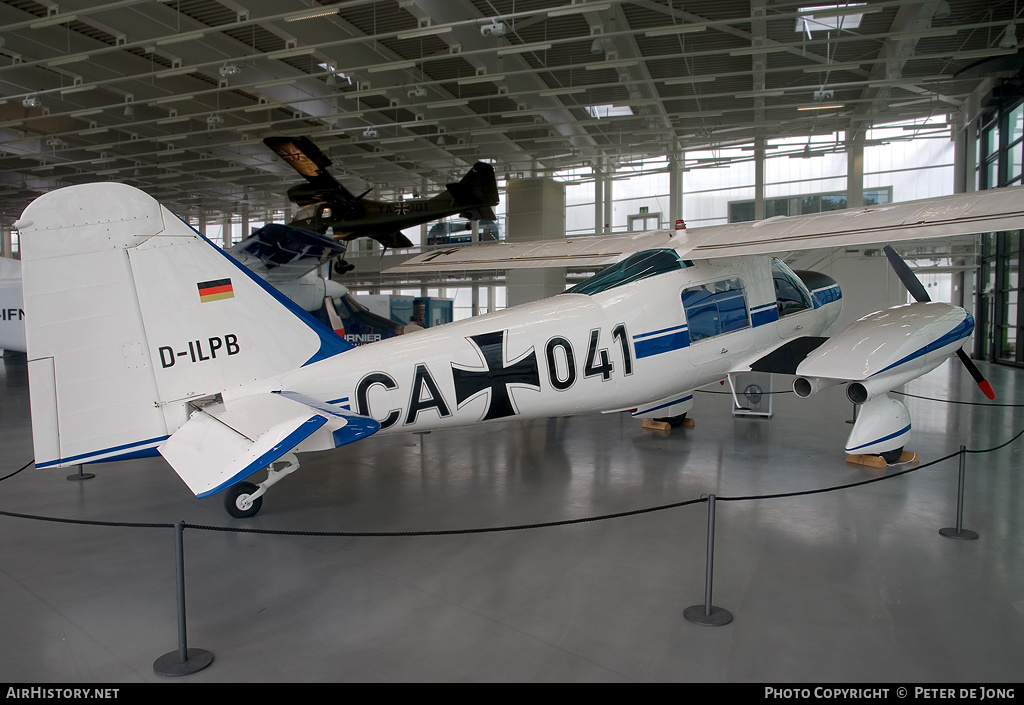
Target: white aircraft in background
(12,314)
(287,257)
(173,347)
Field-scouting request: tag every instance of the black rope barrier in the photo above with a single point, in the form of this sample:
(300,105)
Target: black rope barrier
(186,661)
(498,529)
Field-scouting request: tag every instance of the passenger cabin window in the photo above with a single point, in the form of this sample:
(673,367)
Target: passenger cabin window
(791,295)
(632,269)
(716,308)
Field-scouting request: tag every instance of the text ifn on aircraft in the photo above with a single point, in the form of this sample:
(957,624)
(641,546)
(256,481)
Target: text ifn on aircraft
(224,383)
(327,206)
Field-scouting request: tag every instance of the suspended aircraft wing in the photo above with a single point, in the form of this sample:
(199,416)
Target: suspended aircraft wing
(306,158)
(959,214)
(281,253)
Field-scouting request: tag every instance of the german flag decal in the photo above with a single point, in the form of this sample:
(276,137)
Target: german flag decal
(215,290)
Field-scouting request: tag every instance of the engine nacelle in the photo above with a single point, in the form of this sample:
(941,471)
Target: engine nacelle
(899,343)
(882,426)
(863,391)
(876,354)
(806,386)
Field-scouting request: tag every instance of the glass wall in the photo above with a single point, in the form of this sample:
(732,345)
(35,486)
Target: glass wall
(1000,144)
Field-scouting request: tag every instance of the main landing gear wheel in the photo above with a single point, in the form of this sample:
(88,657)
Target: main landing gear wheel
(237,503)
(892,456)
(674,421)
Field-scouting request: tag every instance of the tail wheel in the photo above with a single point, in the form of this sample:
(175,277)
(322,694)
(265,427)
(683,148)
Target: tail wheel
(236,500)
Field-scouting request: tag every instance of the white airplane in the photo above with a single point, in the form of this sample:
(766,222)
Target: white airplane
(12,314)
(285,256)
(174,348)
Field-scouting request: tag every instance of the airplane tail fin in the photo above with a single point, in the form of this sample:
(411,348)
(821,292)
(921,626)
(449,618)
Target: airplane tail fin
(132,315)
(478,191)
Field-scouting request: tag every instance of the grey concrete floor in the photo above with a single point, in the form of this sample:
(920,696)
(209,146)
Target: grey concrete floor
(855,585)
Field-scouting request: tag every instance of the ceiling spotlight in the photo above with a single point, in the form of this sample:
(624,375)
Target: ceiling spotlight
(1009,38)
(54,141)
(440,141)
(332,80)
(418,92)
(229,70)
(214,120)
(32,102)
(370,134)
(129,111)
(596,47)
(496,29)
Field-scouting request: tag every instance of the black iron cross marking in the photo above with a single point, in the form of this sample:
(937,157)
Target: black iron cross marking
(497,377)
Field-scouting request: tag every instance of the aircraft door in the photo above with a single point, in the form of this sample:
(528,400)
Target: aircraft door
(792,299)
(718,323)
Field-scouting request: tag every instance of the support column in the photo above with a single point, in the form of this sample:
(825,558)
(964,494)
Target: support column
(5,240)
(245,220)
(855,170)
(759,178)
(609,194)
(536,211)
(225,235)
(675,190)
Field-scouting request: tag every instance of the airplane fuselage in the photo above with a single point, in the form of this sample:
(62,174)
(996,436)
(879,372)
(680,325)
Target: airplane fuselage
(620,349)
(368,217)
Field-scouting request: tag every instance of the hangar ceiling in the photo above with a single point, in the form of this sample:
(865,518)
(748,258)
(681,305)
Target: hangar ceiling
(174,96)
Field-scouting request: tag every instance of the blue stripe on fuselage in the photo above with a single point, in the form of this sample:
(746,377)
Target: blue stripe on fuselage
(764,314)
(666,340)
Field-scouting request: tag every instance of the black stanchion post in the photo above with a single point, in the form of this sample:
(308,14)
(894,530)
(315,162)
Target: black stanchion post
(80,475)
(184,661)
(706,614)
(959,532)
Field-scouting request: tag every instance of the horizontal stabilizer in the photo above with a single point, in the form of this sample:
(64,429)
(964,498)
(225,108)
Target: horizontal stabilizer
(225,442)
(281,253)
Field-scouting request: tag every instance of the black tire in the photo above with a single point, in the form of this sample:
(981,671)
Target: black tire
(236,492)
(674,421)
(892,456)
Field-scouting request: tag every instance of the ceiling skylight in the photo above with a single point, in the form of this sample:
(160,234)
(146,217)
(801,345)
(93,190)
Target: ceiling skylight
(829,18)
(606,111)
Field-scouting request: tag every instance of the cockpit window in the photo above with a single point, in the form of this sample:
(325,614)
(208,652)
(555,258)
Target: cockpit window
(632,269)
(306,212)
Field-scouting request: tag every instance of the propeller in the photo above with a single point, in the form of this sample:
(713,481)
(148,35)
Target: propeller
(333,317)
(918,293)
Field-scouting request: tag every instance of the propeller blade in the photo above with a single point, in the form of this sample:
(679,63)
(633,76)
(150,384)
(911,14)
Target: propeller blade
(983,383)
(909,279)
(333,317)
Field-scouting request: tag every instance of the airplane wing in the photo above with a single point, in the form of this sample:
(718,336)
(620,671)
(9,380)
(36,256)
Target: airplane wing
(283,253)
(960,214)
(306,158)
(575,252)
